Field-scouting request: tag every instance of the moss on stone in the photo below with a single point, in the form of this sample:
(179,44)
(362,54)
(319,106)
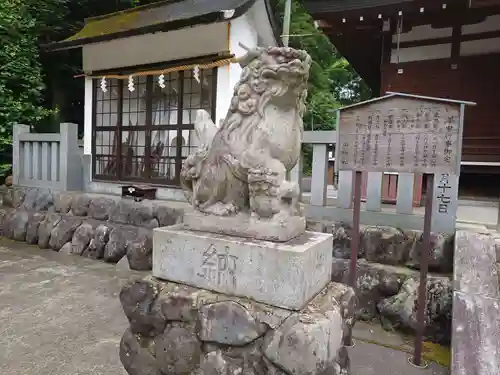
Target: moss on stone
(430,351)
(118,22)
(437,353)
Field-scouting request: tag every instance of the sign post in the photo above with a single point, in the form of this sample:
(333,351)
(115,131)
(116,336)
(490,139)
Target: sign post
(355,237)
(400,133)
(424,267)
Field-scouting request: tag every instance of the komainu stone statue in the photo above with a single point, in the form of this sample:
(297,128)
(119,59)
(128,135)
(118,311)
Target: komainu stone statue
(240,167)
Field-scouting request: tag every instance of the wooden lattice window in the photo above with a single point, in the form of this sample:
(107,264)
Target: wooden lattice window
(144,135)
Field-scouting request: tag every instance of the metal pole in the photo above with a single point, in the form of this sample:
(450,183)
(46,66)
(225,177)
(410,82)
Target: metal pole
(286,22)
(424,264)
(354,240)
(355,227)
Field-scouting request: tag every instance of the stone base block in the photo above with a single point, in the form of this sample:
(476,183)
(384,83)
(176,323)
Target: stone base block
(245,226)
(286,275)
(176,329)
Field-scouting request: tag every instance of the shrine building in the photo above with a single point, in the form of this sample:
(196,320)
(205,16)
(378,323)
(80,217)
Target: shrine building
(445,49)
(147,71)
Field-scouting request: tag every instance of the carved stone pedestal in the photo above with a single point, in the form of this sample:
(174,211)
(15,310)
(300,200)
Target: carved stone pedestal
(243,225)
(175,329)
(286,275)
(280,315)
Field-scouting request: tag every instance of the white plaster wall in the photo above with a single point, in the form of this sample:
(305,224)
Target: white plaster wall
(491,23)
(441,51)
(438,51)
(260,22)
(241,31)
(87,123)
(154,48)
(251,29)
(423,32)
(224,93)
(480,47)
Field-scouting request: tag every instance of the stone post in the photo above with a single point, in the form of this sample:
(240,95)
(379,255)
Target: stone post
(71,173)
(319,183)
(296,173)
(17,165)
(87,171)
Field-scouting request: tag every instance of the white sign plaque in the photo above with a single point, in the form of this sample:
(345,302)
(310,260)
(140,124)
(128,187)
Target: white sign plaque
(400,134)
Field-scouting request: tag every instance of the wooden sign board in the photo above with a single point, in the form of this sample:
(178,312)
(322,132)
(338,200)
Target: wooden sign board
(400,134)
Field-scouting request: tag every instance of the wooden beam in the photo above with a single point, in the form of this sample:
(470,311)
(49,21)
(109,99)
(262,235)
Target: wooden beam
(456,41)
(386,47)
(328,7)
(449,39)
(483,3)
(436,17)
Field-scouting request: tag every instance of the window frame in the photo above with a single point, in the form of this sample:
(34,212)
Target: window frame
(148,129)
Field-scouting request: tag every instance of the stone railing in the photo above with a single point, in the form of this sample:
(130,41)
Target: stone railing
(56,161)
(48,160)
(339,208)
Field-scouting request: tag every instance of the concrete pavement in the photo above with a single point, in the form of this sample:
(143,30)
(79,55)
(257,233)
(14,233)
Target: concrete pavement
(60,315)
(371,359)
(374,353)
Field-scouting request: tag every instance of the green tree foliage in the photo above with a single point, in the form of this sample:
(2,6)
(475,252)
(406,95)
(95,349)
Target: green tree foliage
(332,83)
(21,83)
(39,89)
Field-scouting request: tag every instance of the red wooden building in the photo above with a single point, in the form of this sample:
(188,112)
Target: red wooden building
(439,48)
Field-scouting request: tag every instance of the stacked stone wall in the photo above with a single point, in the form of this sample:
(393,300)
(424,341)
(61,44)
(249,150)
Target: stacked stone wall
(86,225)
(388,276)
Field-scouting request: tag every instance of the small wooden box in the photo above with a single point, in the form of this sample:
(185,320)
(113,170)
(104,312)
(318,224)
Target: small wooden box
(139,192)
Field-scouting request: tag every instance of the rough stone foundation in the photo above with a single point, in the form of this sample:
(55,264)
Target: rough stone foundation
(108,228)
(176,329)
